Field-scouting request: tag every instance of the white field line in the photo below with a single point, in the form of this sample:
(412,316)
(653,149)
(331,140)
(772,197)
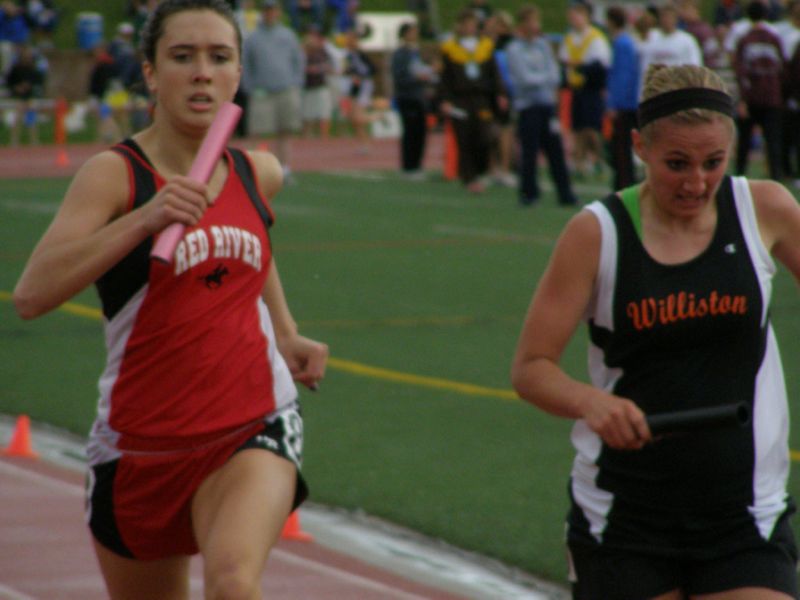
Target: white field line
(52,483)
(7,593)
(344,575)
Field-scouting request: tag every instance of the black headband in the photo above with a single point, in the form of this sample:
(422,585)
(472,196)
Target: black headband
(675,101)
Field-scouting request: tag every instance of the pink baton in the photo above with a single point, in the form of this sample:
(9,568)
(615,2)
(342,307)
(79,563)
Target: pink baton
(203,166)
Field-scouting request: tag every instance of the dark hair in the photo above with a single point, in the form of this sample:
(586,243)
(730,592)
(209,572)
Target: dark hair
(616,16)
(581,5)
(756,11)
(404,29)
(153,29)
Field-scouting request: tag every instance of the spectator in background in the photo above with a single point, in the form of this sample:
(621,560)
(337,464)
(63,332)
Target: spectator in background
(499,27)
(123,52)
(25,83)
(739,28)
(13,30)
(790,39)
(469,87)
(759,64)
(623,97)
(317,99)
(42,18)
(128,72)
(720,61)
(360,73)
(535,77)
(141,107)
(423,10)
(412,79)
(669,45)
(138,12)
(14,27)
(586,56)
(645,26)
(340,15)
(692,22)
(776,9)
(109,99)
(273,73)
(482,9)
(727,12)
(305,13)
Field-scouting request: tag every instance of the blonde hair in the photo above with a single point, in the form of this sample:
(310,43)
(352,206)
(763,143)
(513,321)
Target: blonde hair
(660,79)
(504,17)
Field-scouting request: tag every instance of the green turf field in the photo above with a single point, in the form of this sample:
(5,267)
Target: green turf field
(417,288)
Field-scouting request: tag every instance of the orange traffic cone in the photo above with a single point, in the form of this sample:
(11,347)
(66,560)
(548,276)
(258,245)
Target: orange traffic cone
(450,152)
(20,444)
(60,132)
(292,530)
(62,159)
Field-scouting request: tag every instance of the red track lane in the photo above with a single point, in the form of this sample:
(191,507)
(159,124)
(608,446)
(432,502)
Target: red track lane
(308,154)
(45,551)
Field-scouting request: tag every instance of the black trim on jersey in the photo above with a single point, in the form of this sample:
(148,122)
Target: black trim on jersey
(242,166)
(137,150)
(122,281)
(102,520)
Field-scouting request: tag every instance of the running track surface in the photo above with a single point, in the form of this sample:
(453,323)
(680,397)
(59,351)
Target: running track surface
(45,551)
(308,154)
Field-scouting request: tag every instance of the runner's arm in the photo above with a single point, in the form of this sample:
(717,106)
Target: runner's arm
(558,305)
(91,232)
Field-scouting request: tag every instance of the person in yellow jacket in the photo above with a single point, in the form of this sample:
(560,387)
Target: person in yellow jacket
(470,87)
(586,56)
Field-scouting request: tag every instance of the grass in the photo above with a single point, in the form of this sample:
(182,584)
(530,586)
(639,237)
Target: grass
(553,13)
(415,278)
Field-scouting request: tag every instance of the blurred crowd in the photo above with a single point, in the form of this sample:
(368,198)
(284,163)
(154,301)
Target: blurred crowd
(509,91)
(501,87)
(26,28)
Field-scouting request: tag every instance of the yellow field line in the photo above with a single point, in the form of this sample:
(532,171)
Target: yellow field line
(347,366)
(78,310)
(356,368)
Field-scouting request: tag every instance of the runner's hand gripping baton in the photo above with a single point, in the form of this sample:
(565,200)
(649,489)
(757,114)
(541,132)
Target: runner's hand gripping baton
(712,417)
(203,166)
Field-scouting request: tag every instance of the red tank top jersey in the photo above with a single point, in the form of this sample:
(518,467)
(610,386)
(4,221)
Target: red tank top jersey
(187,354)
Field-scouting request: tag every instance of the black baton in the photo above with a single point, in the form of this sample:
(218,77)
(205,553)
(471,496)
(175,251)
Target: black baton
(712,417)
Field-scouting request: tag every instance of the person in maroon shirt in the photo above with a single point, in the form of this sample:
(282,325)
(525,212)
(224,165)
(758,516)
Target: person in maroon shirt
(703,32)
(758,62)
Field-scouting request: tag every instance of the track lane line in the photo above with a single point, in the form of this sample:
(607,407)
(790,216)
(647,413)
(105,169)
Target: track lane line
(344,575)
(9,593)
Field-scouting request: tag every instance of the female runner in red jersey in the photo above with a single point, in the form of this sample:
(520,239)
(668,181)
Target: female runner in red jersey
(198,438)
